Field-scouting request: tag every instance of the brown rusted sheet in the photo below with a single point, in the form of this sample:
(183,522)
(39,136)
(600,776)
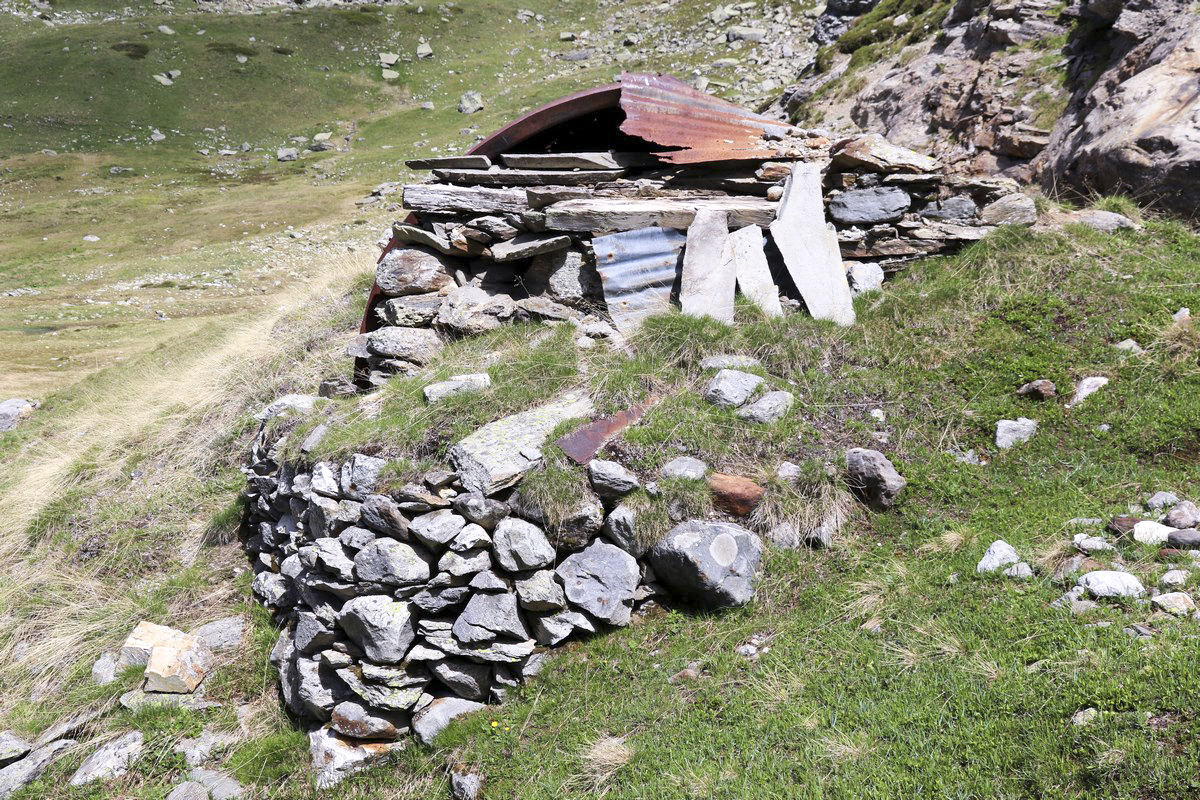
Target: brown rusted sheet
(735,495)
(692,126)
(582,445)
(553,113)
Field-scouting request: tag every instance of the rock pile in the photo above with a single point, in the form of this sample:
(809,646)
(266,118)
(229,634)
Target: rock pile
(599,237)
(404,608)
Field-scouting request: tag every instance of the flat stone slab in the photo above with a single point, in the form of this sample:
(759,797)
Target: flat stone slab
(499,454)
(810,247)
(744,249)
(709,279)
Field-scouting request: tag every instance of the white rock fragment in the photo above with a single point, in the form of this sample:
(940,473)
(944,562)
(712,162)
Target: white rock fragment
(999,554)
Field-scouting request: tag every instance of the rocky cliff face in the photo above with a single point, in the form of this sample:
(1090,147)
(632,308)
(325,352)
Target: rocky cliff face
(1097,97)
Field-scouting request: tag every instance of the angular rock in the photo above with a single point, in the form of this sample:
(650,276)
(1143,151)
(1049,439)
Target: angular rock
(734,494)
(188,790)
(528,245)
(1184,515)
(1184,540)
(222,634)
(497,455)
(13,410)
(178,666)
(768,409)
(12,748)
(143,639)
(465,563)
(482,511)
(200,750)
(464,678)
(550,629)
(379,625)
(611,480)
(1087,387)
(541,592)
(104,671)
(519,545)
(1019,571)
(416,345)
(1011,432)
(471,537)
(488,616)
(707,285)
(1153,533)
(466,785)
(21,773)
(382,514)
(712,564)
(873,478)
(414,270)
(357,721)
(1012,209)
(999,554)
(1040,389)
(1178,604)
(565,276)
(864,276)
(602,580)
(1174,577)
(684,467)
(470,311)
(433,719)
(391,562)
(873,152)
(334,757)
(411,311)
(360,474)
(437,529)
(456,385)
(872,206)
(731,388)
(1110,583)
(110,760)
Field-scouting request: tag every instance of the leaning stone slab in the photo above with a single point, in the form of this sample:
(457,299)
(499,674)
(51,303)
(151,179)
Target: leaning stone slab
(24,772)
(499,454)
(111,760)
(744,249)
(707,285)
(712,564)
(810,247)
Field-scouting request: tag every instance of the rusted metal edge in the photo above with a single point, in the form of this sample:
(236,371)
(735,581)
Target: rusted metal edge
(582,445)
(670,113)
(545,117)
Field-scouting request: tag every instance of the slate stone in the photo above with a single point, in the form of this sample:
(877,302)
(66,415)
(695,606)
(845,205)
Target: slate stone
(382,627)
(21,773)
(872,206)
(711,564)
(382,514)
(611,480)
(1184,540)
(488,616)
(519,545)
(311,634)
(471,537)
(415,345)
(483,511)
(550,629)
(873,478)
(466,563)
(601,580)
(391,562)
(436,529)
(414,270)
(464,678)
(768,409)
(685,467)
(541,592)
(958,207)
(707,285)
(731,388)
(12,748)
(110,760)
(620,528)
(433,719)
(357,721)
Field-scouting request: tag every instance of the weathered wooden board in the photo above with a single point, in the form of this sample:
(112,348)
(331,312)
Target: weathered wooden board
(527,177)
(620,214)
(810,248)
(745,250)
(450,162)
(709,279)
(438,198)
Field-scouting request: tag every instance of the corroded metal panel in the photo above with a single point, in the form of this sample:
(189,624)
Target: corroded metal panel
(637,270)
(692,126)
(582,445)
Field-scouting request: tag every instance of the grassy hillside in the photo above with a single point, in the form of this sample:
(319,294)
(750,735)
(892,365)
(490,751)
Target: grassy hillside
(887,665)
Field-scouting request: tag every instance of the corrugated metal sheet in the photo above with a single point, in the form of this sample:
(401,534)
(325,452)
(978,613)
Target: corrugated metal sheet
(637,270)
(668,112)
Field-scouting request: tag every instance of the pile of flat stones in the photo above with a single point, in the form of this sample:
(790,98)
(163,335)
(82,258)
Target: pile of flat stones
(1098,567)
(597,240)
(403,608)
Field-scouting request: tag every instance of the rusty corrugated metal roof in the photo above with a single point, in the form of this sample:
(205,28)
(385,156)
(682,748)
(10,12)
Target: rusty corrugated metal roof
(637,270)
(667,112)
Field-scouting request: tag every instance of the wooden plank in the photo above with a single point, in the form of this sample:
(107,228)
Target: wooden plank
(707,286)
(450,162)
(519,177)
(578,160)
(745,250)
(810,248)
(620,214)
(438,198)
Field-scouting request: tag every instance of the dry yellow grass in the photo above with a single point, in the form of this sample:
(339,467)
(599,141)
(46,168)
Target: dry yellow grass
(58,611)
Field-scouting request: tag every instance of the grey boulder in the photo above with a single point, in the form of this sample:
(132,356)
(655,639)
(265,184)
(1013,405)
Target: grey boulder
(731,388)
(111,760)
(1110,583)
(602,580)
(712,564)
(610,479)
(391,562)
(413,270)
(488,616)
(381,626)
(769,408)
(519,545)
(869,206)
(873,478)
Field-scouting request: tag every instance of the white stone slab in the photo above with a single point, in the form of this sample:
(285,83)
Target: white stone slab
(708,282)
(810,248)
(745,249)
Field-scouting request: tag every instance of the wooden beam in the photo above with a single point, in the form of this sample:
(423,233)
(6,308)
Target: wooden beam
(450,162)
(522,177)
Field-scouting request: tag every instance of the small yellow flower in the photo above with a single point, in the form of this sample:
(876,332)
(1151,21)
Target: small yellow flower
(495,724)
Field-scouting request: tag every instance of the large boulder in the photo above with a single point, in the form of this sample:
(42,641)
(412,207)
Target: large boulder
(470,311)
(712,564)
(602,580)
(413,270)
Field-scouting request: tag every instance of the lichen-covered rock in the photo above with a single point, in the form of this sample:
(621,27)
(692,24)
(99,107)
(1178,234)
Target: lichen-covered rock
(381,626)
(357,721)
(413,270)
(602,580)
(415,345)
(541,592)
(488,616)
(712,564)
(519,545)
(470,311)
(391,562)
(111,760)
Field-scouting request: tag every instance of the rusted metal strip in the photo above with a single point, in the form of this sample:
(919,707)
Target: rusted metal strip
(637,270)
(553,113)
(692,126)
(582,445)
